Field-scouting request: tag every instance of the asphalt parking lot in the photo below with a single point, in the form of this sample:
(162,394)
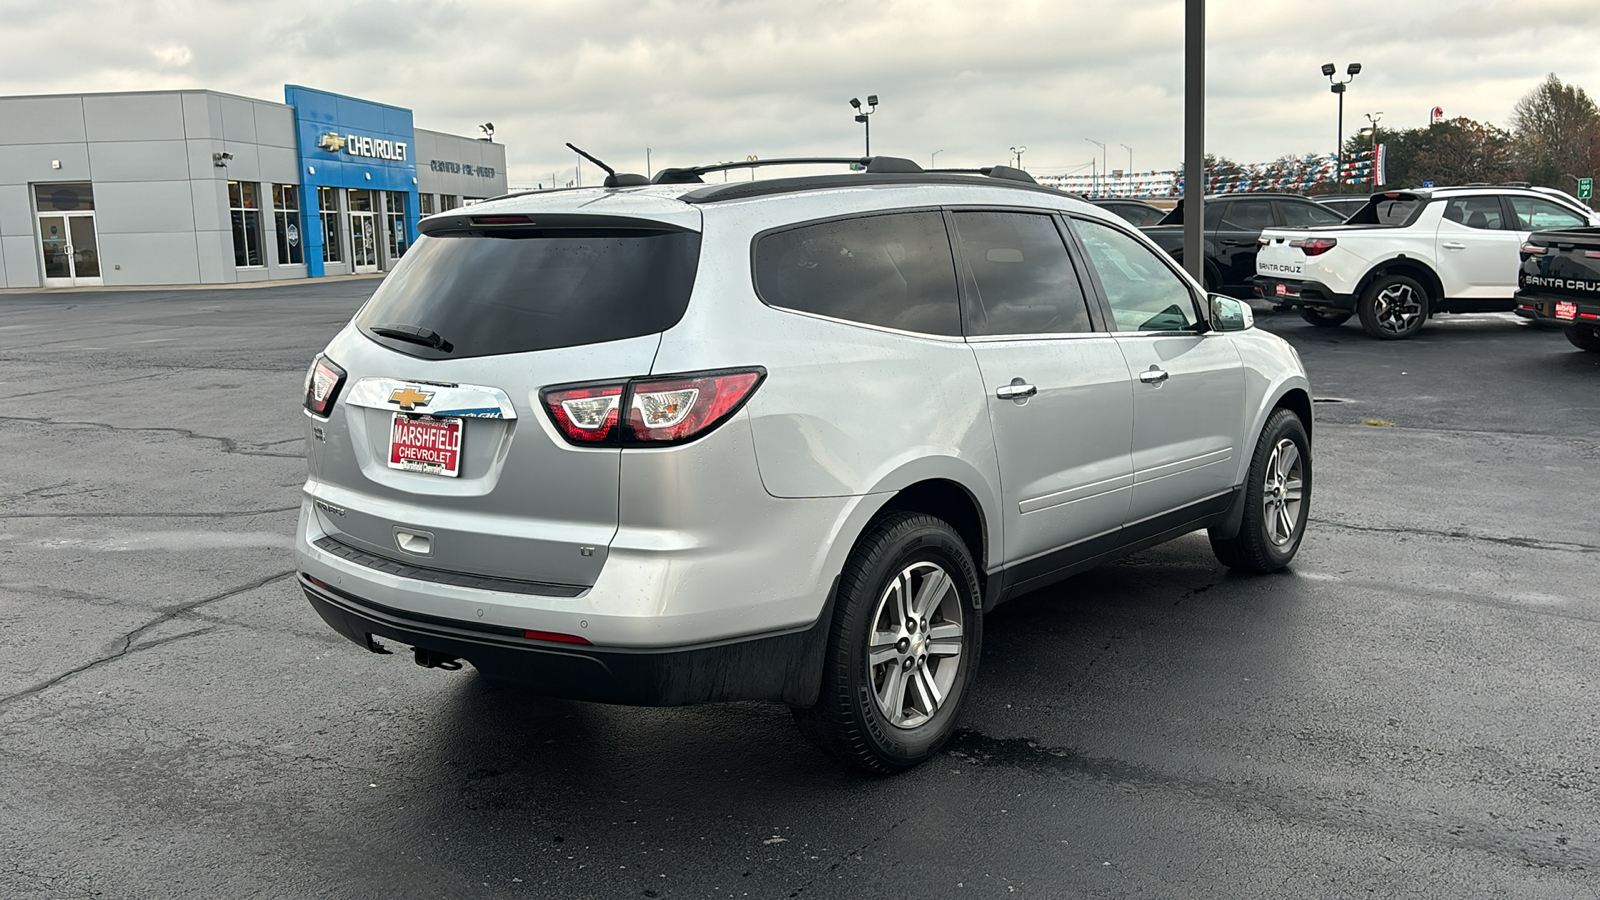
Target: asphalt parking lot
(1409,712)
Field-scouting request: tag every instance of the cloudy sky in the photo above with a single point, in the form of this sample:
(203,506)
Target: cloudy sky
(707,80)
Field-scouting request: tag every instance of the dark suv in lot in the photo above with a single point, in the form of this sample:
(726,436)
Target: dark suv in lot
(1233,222)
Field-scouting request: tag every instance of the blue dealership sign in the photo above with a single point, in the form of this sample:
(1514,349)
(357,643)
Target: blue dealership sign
(345,142)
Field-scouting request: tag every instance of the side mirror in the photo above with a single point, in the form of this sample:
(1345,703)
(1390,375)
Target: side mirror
(1230,314)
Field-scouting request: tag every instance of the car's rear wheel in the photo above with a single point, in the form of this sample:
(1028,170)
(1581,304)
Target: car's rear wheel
(1394,307)
(1323,318)
(1584,337)
(1277,500)
(903,647)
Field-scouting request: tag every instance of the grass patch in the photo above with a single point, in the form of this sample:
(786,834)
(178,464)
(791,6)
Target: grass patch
(1380,423)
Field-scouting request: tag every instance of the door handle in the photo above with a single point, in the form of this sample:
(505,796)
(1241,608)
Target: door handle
(1452,245)
(1016,390)
(1153,376)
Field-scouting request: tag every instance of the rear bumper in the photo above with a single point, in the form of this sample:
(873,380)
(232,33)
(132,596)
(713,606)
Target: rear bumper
(1543,308)
(1302,293)
(784,667)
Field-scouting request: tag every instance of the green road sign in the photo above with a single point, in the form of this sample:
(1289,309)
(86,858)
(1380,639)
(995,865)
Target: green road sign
(1585,188)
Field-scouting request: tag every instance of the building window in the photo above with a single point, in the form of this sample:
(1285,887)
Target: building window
(328,208)
(286,213)
(244,208)
(396,215)
(448,201)
(425,204)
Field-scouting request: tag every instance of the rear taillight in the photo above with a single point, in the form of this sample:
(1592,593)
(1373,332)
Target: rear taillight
(1533,250)
(1315,246)
(323,381)
(649,412)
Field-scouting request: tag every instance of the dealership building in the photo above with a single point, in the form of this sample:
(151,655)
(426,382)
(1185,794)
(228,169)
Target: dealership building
(199,187)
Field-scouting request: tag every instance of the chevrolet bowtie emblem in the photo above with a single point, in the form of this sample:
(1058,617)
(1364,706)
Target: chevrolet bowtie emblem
(331,142)
(410,398)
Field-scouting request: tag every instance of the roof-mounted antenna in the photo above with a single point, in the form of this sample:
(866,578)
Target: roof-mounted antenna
(612,178)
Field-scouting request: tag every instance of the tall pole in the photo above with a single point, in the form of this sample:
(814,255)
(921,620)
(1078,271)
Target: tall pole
(1194,137)
(868,123)
(647,162)
(1338,172)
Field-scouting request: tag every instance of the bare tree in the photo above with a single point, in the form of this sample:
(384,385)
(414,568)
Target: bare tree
(1557,133)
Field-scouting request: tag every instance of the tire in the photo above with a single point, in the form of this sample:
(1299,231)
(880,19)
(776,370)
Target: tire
(1282,460)
(1323,319)
(877,717)
(1584,337)
(1394,307)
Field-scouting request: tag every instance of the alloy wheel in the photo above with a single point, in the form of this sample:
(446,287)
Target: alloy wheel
(1281,492)
(1398,308)
(914,652)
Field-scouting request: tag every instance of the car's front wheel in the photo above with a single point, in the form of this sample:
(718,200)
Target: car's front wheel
(1277,500)
(1323,318)
(1394,307)
(1584,337)
(903,647)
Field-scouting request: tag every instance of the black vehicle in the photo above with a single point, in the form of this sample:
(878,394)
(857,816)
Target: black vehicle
(1559,283)
(1344,204)
(1137,212)
(1233,222)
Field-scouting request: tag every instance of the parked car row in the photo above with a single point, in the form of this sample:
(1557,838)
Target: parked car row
(1406,256)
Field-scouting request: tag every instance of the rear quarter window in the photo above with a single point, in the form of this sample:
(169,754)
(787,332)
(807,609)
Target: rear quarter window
(894,271)
(519,290)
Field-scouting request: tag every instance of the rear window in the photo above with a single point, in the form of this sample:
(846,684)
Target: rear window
(528,289)
(895,271)
(1386,210)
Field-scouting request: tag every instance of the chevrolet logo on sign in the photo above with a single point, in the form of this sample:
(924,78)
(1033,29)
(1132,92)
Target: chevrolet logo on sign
(331,142)
(410,398)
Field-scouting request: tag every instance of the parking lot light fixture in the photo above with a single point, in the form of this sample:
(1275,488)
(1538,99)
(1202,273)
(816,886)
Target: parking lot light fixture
(861,116)
(933,160)
(1102,172)
(1338,87)
(1017,152)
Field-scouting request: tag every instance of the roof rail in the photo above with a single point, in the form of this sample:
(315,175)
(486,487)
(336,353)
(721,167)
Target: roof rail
(872,164)
(1006,172)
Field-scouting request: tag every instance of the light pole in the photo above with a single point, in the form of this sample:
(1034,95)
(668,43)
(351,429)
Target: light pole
(1337,87)
(647,162)
(934,159)
(1102,163)
(1017,152)
(1130,158)
(872,107)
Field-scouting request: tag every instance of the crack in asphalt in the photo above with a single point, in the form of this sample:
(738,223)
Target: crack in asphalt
(131,636)
(1524,543)
(1319,810)
(1120,634)
(240,514)
(80,387)
(229,445)
(847,857)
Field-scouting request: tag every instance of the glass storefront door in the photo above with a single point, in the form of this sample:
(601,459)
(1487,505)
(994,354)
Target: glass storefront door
(363,231)
(67,243)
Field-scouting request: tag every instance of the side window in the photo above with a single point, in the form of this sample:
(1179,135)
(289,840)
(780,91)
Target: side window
(1534,214)
(1144,293)
(1476,212)
(1023,278)
(1304,215)
(1250,215)
(1213,214)
(895,271)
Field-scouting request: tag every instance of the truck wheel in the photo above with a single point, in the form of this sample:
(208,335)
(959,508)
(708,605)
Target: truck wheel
(1277,500)
(903,648)
(1584,337)
(1323,318)
(1394,307)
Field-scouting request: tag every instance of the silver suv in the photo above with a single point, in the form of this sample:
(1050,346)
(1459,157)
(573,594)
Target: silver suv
(789,439)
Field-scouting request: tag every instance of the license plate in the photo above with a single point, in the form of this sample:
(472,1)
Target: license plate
(1565,310)
(427,444)
(1282,290)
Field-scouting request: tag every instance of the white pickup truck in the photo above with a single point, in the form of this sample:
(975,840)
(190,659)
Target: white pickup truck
(1407,255)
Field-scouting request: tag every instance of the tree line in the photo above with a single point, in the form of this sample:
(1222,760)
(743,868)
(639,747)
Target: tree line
(1554,140)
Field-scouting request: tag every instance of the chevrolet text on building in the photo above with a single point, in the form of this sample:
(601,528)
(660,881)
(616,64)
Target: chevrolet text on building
(361,145)
(201,187)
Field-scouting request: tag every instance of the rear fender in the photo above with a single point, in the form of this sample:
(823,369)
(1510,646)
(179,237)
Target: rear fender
(1405,265)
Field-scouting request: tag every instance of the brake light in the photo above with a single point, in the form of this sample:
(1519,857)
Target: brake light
(652,411)
(323,381)
(1315,246)
(501,220)
(1533,250)
(585,414)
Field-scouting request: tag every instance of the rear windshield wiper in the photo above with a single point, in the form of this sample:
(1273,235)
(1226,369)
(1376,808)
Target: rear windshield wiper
(414,334)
